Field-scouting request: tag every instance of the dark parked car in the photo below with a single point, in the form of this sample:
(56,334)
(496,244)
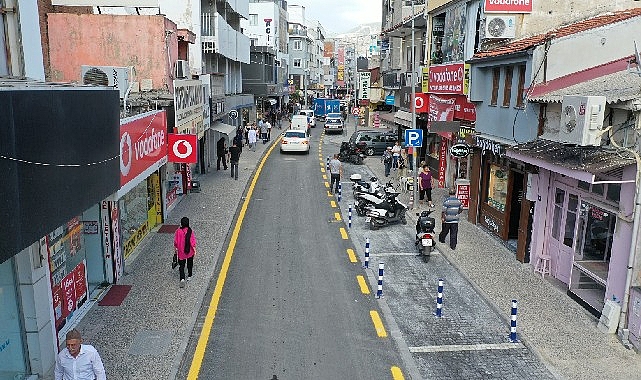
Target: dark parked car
(374,141)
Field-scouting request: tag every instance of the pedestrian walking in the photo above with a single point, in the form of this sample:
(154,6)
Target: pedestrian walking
(251,138)
(247,128)
(279,119)
(425,185)
(263,131)
(336,172)
(269,130)
(78,361)
(396,154)
(238,139)
(221,152)
(387,160)
(452,208)
(234,157)
(185,248)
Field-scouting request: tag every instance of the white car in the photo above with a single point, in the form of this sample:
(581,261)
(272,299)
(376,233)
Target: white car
(310,117)
(294,140)
(334,123)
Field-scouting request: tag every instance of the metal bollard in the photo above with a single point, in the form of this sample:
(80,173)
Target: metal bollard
(349,217)
(439,299)
(340,191)
(379,290)
(366,262)
(513,337)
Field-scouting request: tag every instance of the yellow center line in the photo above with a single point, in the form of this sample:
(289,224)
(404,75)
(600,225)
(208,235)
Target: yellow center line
(327,184)
(322,164)
(329,194)
(397,374)
(322,170)
(325,177)
(332,203)
(337,216)
(343,233)
(208,323)
(378,324)
(351,255)
(362,284)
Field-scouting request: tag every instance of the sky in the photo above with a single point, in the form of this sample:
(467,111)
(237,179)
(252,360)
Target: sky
(339,16)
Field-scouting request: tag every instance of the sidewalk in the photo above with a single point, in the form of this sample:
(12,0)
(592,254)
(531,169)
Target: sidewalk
(146,336)
(562,333)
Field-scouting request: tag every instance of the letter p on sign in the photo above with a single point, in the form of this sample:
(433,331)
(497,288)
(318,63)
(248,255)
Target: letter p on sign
(414,137)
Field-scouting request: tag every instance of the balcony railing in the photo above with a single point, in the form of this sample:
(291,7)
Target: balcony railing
(219,37)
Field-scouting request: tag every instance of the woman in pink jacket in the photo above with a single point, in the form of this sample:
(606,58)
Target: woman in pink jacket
(185,246)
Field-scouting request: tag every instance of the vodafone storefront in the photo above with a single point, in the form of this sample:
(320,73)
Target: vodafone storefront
(137,207)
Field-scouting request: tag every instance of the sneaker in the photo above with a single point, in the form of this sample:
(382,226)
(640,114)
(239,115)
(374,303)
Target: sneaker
(188,278)
(182,283)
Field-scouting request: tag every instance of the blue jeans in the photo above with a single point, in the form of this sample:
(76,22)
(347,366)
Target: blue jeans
(234,169)
(388,167)
(336,178)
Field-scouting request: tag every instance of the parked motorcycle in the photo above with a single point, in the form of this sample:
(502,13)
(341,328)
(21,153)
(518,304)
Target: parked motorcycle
(425,234)
(366,199)
(360,186)
(349,154)
(388,211)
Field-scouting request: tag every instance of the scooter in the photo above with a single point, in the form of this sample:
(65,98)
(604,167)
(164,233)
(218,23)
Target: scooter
(365,200)
(425,234)
(347,154)
(387,212)
(360,186)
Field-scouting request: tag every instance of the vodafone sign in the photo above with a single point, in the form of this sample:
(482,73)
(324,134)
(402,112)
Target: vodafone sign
(143,145)
(421,102)
(182,148)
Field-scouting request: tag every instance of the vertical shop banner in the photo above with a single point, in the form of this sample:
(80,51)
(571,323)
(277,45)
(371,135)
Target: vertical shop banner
(341,63)
(364,84)
(119,264)
(188,103)
(463,192)
(143,147)
(425,79)
(447,79)
(340,74)
(508,6)
(442,162)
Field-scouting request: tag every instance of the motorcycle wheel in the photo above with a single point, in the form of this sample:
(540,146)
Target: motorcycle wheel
(369,151)
(426,254)
(373,225)
(403,220)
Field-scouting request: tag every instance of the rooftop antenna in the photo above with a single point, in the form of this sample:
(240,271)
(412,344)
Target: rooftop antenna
(636,60)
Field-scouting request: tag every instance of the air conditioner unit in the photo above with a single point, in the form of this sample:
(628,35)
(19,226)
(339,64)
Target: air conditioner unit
(182,69)
(500,27)
(111,76)
(582,120)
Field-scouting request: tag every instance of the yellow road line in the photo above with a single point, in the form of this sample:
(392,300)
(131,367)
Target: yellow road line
(378,324)
(362,284)
(343,233)
(322,164)
(337,216)
(325,177)
(329,194)
(351,255)
(323,170)
(333,203)
(327,184)
(199,353)
(397,374)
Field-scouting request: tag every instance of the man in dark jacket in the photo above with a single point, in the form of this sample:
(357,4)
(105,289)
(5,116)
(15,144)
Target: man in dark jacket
(234,157)
(221,152)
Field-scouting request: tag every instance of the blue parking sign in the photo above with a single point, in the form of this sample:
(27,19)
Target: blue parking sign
(414,137)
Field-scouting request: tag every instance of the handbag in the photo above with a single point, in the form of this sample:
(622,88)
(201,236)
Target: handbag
(174,261)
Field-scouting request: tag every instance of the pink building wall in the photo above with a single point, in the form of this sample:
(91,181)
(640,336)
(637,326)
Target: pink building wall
(113,40)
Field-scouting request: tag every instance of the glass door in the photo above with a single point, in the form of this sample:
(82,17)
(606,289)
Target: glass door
(561,242)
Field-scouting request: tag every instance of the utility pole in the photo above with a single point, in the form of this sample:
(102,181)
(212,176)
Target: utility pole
(413,109)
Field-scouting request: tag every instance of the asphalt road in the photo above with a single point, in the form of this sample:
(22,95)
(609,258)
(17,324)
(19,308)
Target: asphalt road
(291,306)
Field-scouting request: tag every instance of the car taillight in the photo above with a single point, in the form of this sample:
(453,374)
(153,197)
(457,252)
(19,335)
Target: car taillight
(305,142)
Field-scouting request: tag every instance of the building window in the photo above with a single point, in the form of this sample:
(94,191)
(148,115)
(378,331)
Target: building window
(254,41)
(507,90)
(253,19)
(496,77)
(497,187)
(520,95)
(298,45)
(297,62)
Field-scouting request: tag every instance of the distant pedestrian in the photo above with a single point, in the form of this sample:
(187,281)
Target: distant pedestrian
(452,208)
(238,139)
(247,128)
(269,130)
(396,153)
(185,247)
(336,172)
(425,185)
(234,157)
(263,131)
(221,153)
(251,138)
(386,159)
(279,119)
(78,361)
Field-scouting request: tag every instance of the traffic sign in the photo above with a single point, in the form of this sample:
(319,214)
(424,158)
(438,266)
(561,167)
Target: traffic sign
(414,137)
(233,114)
(355,111)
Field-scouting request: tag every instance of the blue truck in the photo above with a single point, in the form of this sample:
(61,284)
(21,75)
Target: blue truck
(323,106)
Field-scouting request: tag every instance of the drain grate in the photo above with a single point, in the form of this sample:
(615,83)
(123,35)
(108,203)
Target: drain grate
(168,228)
(151,342)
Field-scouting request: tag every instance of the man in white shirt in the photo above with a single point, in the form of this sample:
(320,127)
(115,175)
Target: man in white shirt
(78,361)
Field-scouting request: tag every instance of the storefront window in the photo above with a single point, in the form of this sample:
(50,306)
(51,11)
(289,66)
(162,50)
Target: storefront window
(559,198)
(613,193)
(570,220)
(12,361)
(135,213)
(596,232)
(497,187)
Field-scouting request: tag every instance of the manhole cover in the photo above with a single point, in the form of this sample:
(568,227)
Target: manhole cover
(151,342)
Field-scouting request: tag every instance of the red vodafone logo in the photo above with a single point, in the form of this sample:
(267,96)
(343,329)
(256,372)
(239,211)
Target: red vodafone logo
(420,102)
(182,148)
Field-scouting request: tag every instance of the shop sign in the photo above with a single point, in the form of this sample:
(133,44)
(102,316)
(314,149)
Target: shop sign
(421,102)
(491,145)
(465,130)
(117,251)
(188,104)
(364,84)
(389,100)
(143,145)
(182,148)
(460,150)
(442,163)
(447,79)
(463,193)
(508,6)
(491,224)
(425,77)
(91,227)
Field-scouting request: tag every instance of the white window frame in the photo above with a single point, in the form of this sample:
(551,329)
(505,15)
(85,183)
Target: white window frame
(253,19)
(297,62)
(298,45)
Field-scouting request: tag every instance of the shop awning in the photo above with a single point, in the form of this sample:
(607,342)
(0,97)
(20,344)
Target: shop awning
(579,162)
(403,118)
(225,129)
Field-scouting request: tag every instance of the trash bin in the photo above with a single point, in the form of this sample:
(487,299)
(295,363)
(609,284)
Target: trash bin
(195,186)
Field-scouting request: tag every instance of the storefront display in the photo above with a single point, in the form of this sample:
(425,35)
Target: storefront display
(12,360)
(497,187)
(138,213)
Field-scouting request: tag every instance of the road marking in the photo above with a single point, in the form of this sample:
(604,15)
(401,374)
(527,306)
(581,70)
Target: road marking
(337,216)
(466,347)
(327,184)
(333,203)
(378,324)
(199,353)
(363,284)
(397,374)
(322,170)
(322,164)
(325,177)
(351,255)
(329,194)
(343,233)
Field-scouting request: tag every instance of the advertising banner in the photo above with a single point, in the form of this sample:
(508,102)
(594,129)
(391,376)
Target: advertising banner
(143,146)
(421,102)
(364,83)
(463,192)
(508,6)
(188,102)
(182,148)
(447,79)
(341,64)
(441,109)
(442,163)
